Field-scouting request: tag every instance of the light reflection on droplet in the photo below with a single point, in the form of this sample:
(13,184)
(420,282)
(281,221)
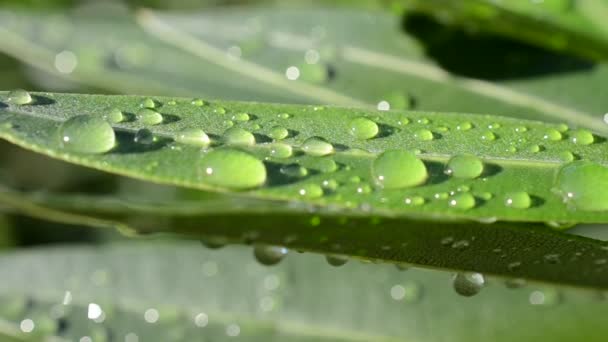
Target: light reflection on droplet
(312,56)
(397,292)
(233,330)
(94,311)
(537,298)
(383,105)
(67,298)
(27,325)
(65,62)
(292,73)
(151,315)
(201,320)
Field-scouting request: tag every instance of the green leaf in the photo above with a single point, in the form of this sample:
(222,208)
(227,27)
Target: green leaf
(361,59)
(335,193)
(561,25)
(301,299)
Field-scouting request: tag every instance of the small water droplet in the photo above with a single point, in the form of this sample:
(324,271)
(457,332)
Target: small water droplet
(488,136)
(238,137)
(463,201)
(19,97)
(408,292)
(403,120)
(521,129)
(193,136)
(330,184)
(198,102)
(396,169)
(464,166)
(414,200)
(144,136)
(464,126)
(232,169)
(283,116)
(280,150)
(220,110)
(383,105)
(423,121)
(336,260)
(269,255)
(494,125)
(581,185)
(460,244)
(278,133)
(363,128)
(514,265)
(441,195)
(468,284)
(518,199)
(310,191)
(241,117)
(485,195)
(423,135)
(317,147)
(552,135)
(294,170)
(87,134)
(565,156)
(581,137)
(114,116)
(148,116)
(148,103)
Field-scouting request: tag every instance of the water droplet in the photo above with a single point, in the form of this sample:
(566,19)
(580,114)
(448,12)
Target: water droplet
(383,105)
(193,136)
(283,116)
(488,136)
(544,297)
(396,169)
(317,147)
(363,128)
(148,103)
(464,126)
(278,133)
(310,191)
(238,136)
(172,102)
(518,199)
(460,244)
(240,117)
(468,284)
(403,120)
(330,184)
(521,129)
(363,189)
(423,135)
(485,195)
(336,260)
(324,165)
(220,110)
(233,169)
(414,200)
(294,170)
(565,156)
(408,292)
(19,97)
(464,166)
(581,137)
(114,116)
(87,134)
(514,265)
(552,135)
(441,195)
(463,200)
(581,185)
(198,102)
(144,136)
(269,255)
(149,117)
(494,125)
(280,150)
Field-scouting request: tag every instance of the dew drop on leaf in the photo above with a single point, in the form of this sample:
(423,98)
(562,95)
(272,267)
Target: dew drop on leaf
(294,170)
(468,284)
(565,156)
(148,116)
(280,150)
(518,199)
(87,134)
(521,129)
(336,260)
(363,128)
(144,136)
(488,136)
(239,137)
(193,136)
(283,116)
(330,184)
(232,169)
(581,137)
(198,102)
(19,97)
(278,133)
(463,201)
(317,147)
(269,255)
(582,184)
(241,117)
(552,134)
(114,116)
(414,200)
(464,126)
(423,135)
(310,191)
(464,166)
(148,103)
(395,169)
(220,110)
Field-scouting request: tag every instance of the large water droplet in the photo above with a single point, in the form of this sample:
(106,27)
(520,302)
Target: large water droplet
(423,135)
(488,136)
(518,199)
(148,103)
(310,191)
(193,136)
(552,135)
(581,137)
(336,260)
(280,150)
(238,136)
(582,184)
(148,116)
(317,147)
(144,136)
(463,200)
(87,134)
(240,117)
(278,133)
(363,128)
(396,169)
(464,126)
(468,284)
(114,116)
(232,169)
(269,255)
(19,97)
(464,166)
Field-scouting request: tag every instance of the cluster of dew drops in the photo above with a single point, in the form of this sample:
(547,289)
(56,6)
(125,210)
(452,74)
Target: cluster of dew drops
(393,169)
